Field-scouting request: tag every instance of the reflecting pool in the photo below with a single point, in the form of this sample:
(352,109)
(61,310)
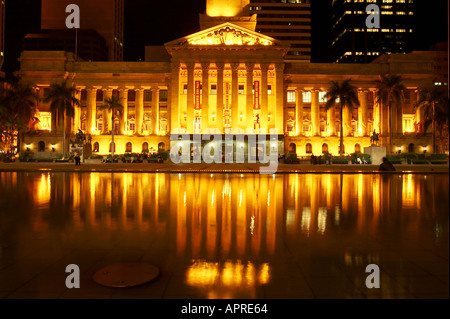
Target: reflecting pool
(226,235)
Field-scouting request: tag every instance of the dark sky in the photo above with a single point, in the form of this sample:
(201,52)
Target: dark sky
(150,22)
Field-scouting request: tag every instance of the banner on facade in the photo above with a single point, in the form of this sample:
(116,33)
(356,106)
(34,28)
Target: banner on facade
(256,95)
(197,95)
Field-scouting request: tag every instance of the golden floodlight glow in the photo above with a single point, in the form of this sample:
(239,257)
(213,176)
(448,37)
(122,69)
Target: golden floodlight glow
(233,274)
(229,36)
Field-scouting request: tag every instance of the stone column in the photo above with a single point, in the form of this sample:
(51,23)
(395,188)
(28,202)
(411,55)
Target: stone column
(347,118)
(362,112)
(107,111)
(376,113)
(264,120)
(331,117)
(299,111)
(234,96)
(155,110)
(315,112)
(77,112)
(414,98)
(91,112)
(249,97)
(279,97)
(174,97)
(123,95)
(219,115)
(190,97)
(139,110)
(206,112)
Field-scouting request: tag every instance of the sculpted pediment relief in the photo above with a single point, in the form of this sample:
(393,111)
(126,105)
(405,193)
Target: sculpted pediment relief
(226,34)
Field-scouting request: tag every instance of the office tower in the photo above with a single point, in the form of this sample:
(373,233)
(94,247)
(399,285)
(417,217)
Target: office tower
(285,20)
(2,32)
(353,42)
(105,17)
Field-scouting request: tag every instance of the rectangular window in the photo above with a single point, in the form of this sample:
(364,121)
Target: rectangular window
(269,89)
(147,95)
(132,126)
(322,98)
(307,97)
(213,88)
(184,88)
(291,96)
(99,97)
(163,95)
(305,128)
(241,89)
(131,95)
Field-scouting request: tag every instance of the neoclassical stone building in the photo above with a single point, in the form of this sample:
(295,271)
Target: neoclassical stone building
(226,79)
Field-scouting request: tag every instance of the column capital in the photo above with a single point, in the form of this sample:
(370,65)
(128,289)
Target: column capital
(220,65)
(190,65)
(300,90)
(264,66)
(205,65)
(249,65)
(234,66)
(124,89)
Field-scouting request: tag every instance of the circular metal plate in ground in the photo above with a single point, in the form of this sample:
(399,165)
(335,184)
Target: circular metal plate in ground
(126,275)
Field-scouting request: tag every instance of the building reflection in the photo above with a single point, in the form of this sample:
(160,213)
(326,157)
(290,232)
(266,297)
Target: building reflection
(231,227)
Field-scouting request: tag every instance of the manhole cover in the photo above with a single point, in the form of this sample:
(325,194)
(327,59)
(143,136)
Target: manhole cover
(126,275)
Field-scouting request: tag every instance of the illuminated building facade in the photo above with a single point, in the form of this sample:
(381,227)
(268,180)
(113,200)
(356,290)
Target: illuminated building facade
(228,79)
(353,42)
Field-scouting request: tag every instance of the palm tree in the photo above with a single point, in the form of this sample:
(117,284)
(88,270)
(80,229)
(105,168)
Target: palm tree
(62,100)
(347,96)
(17,110)
(113,104)
(390,88)
(434,103)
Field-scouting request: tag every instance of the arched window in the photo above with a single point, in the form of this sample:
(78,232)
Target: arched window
(161,146)
(324,148)
(357,148)
(411,148)
(128,147)
(292,148)
(110,144)
(41,146)
(308,148)
(96,147)
(144,147)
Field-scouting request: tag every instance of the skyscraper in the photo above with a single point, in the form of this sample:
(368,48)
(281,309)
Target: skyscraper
(2,32)
(353,42)
(285,20)
(105,17)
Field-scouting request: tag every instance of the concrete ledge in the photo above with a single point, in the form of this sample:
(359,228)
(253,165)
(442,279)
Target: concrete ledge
(218,168)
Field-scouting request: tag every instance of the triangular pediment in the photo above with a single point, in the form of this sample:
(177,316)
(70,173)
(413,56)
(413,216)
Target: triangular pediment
(226,34)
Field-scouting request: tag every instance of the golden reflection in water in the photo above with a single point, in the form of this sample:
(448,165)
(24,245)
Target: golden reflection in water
(228,276)
(215,218)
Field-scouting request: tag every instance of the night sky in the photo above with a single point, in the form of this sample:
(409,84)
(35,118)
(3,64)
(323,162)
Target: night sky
(149,22)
